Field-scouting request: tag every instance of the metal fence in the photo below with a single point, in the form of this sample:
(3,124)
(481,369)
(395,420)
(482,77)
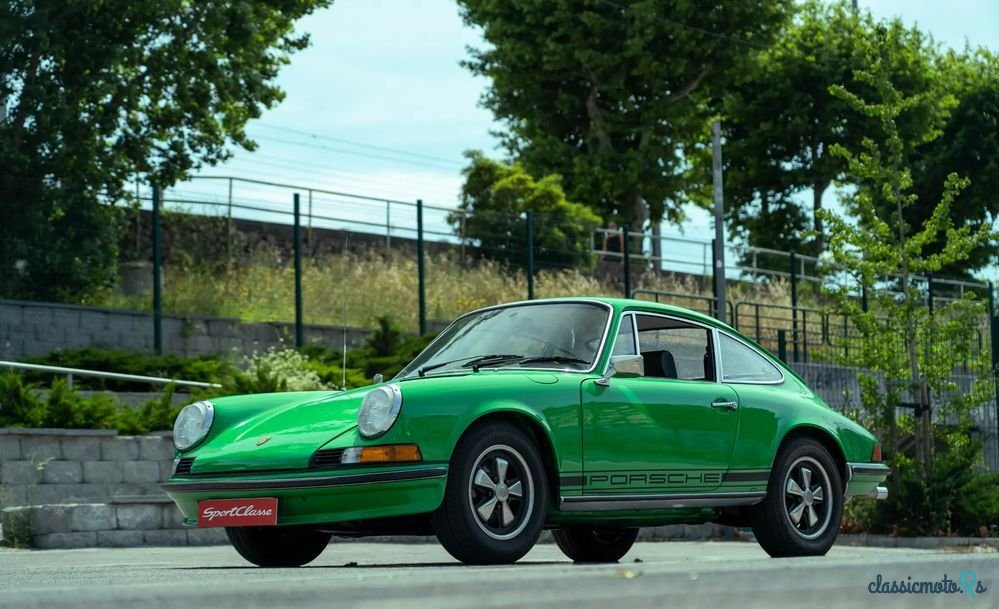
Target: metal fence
(322,249)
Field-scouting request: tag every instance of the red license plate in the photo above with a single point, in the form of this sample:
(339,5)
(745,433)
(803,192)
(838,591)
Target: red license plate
(237,512)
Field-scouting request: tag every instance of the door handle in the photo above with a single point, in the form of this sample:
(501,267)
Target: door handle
(728,405)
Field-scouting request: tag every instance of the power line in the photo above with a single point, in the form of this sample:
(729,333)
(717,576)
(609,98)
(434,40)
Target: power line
(361,144)
(691,28)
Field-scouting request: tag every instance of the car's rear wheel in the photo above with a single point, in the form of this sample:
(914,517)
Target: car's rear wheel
(278,546)
(585,544)
(495,499)
(801,513)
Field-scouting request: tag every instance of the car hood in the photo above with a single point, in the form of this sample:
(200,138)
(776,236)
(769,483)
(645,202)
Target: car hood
(274,431)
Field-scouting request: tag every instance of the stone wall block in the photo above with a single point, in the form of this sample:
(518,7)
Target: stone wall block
(139,516)
(119,539)
(20,472)
(141,471)
(156,448)
(82,449)
(62,472)
(122,448)
(92,517)
(65,540)
(107,472)
(40,448)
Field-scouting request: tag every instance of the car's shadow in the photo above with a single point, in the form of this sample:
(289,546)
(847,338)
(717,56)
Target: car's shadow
(415,565)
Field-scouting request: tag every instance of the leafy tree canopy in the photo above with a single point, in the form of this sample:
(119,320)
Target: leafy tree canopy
(98,93)
(495,199)
(782,121)
(608,94)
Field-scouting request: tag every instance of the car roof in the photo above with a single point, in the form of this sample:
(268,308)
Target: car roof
(620,304)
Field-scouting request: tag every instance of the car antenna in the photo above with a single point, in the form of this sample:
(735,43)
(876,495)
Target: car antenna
(346,238)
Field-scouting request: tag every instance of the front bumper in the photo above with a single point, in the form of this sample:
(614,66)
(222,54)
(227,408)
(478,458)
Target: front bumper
(313,497)
(864,480)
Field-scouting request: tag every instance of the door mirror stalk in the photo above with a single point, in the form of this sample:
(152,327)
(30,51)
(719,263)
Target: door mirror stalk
(624,366)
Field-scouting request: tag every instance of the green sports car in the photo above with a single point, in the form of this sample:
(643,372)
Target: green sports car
(589,417)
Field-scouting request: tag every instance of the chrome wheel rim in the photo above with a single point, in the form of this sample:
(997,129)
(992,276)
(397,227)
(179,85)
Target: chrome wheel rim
(808,498)
(501,492)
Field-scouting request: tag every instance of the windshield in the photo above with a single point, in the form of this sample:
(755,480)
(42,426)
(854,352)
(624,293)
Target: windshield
(544,335)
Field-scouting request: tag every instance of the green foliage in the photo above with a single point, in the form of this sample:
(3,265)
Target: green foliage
(496,197)
(104,92)
(781,121)
(955,498)
(157,414)
(272,371)
(938,488)
(610,96)
(23,404)
(206,368)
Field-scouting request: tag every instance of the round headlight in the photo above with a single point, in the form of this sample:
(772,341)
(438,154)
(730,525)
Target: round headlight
(192,424)
(379,410)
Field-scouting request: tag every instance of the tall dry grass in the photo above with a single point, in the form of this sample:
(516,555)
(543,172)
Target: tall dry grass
(374,284)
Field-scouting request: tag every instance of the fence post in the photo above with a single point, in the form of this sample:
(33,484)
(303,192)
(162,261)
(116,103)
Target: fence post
(627,261)
(299,333)
(530,255)
(782,344)
(157,275)
(929,292)
(994,340)
(388,226)
(794,304)
(229,227)
(420,267)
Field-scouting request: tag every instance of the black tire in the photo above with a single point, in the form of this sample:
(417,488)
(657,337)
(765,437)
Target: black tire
(584,544)
(459,523)
(805,483)
(290,546)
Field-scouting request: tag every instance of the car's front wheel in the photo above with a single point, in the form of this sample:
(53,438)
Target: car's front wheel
(278,546)
(585,544)
(800,516)
(496,497)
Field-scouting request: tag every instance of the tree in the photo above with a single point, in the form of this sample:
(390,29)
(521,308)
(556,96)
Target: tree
(608,94)
(98,93)
(494,201)
(967,145)
(911,346)
(782,122)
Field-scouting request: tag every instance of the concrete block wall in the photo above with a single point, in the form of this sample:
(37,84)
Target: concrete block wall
(29,329)
(64,488)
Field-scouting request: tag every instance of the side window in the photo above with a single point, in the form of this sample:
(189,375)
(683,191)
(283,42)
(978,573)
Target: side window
(675,349)
(625,342)
(740,363)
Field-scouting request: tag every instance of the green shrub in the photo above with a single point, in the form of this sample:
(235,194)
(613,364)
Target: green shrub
(206,368)
(156,414)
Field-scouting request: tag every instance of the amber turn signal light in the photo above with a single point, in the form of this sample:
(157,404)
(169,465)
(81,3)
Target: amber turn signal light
(876,453)
(389,453)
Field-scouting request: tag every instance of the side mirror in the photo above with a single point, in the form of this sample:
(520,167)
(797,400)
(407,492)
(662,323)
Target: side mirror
(378,378)
(625,366)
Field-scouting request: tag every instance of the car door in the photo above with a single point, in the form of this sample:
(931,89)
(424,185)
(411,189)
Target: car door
(670,431)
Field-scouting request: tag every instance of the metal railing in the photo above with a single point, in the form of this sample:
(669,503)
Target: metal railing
(69,373)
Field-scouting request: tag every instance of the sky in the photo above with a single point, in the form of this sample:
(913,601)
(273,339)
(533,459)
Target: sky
(379,105)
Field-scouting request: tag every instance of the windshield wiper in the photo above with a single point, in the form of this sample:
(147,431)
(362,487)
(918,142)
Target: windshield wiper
(490,359)
(476,360)
(558,359)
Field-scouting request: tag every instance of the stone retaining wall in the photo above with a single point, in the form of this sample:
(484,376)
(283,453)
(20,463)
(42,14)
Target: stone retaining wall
(29,329)
(80,488)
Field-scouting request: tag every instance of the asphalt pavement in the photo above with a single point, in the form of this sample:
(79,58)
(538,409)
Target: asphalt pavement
(412,576)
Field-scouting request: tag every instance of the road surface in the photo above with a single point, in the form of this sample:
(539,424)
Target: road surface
(374,575)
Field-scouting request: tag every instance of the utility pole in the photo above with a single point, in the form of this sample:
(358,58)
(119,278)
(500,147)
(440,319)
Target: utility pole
(719,244)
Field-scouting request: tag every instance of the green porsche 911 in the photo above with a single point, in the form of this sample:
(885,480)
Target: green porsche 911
(589,417)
